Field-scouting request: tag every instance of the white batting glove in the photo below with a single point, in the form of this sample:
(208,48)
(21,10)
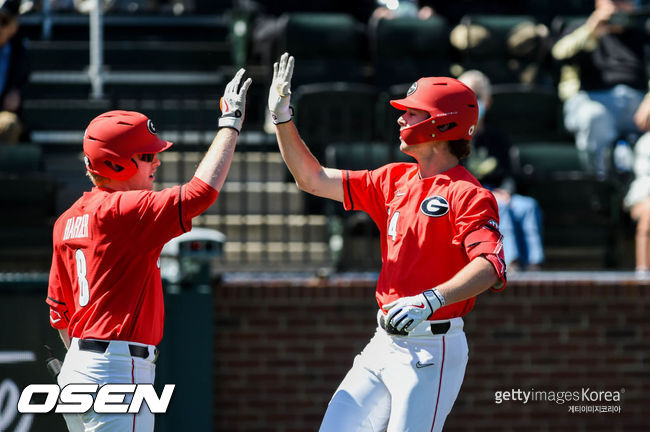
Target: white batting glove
(233,102)
(405,313)
(280,92)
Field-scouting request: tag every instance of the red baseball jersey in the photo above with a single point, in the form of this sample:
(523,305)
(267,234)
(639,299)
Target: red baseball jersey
(424,224)
(105,276)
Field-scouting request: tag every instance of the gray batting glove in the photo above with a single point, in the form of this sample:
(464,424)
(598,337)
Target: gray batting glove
(405,313)
(280,93)
(233,102)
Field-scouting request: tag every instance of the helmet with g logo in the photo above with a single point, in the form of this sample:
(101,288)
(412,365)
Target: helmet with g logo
(452,107)
(113,138)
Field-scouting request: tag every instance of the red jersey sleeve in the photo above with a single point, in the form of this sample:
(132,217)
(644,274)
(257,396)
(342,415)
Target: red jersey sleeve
(157,217)
(477,225)
(196,197)
(362,191)
(58,293)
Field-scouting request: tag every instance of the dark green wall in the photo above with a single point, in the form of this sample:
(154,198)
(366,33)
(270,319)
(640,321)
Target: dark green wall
(186,355)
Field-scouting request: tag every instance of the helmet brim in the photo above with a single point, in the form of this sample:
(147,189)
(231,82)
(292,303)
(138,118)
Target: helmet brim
(156,147)
(409,102)
(399,104)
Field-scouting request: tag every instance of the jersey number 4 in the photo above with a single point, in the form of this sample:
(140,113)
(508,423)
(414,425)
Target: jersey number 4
(84,292)
(392,225)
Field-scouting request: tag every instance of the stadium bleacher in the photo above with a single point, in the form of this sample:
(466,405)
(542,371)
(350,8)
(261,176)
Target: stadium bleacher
(173,68)
(280,242)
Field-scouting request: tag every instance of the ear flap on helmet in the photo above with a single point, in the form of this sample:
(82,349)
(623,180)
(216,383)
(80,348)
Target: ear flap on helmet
(118,168)
(112,167)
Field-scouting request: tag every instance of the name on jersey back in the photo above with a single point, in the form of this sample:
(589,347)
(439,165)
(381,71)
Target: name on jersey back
(76,227)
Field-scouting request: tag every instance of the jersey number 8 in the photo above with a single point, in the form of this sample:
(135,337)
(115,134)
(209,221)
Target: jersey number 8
(84,292)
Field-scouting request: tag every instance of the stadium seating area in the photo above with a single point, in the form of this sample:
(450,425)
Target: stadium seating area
(174,68)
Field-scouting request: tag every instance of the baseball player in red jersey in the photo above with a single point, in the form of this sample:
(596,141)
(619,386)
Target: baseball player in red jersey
(441,247)
(105,292)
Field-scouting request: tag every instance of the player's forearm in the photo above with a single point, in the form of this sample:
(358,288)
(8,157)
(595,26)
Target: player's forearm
(214,167)
(406,313)
(65,337)
(471,280)
(310,176)
(301,162)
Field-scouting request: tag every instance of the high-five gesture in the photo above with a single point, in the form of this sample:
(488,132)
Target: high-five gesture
(280,92)
(233,102)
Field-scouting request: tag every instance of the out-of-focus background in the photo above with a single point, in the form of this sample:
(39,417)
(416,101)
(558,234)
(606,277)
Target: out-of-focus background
(267,306)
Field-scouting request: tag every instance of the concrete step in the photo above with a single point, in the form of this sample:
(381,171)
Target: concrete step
(237,197)
(267,228)
(241,198)
(246,166)
(136,54)
(72,139)
(206,23)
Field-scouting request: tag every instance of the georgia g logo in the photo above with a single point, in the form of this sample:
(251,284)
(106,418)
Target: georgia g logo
(435,206)
(412,89)
(151,127)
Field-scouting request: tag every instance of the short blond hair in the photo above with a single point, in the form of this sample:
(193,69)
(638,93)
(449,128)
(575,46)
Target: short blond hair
(97,179)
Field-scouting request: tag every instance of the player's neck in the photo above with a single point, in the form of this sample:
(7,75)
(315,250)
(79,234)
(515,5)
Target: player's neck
(117,185)
(435,160)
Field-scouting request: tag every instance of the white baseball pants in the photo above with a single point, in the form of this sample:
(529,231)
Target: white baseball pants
(401,383)
(115,366)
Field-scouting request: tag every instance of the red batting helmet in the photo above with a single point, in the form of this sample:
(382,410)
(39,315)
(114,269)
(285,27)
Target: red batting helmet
(111,139)
(450,103)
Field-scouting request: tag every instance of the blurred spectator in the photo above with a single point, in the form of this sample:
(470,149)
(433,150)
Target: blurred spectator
(604,80)
(14,71)
(520,216)
(516,56)
(637,201)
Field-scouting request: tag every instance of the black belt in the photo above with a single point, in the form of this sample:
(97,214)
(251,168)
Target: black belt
(440,328)
(101,347)
(436,328)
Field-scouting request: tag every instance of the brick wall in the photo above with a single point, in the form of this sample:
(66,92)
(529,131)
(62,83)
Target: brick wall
(282,348)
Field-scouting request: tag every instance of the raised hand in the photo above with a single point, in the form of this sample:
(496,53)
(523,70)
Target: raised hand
(280,92)
(233,102)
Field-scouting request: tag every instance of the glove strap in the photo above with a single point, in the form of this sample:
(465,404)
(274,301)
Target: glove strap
(282,117)
(231,121)
(434,297)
